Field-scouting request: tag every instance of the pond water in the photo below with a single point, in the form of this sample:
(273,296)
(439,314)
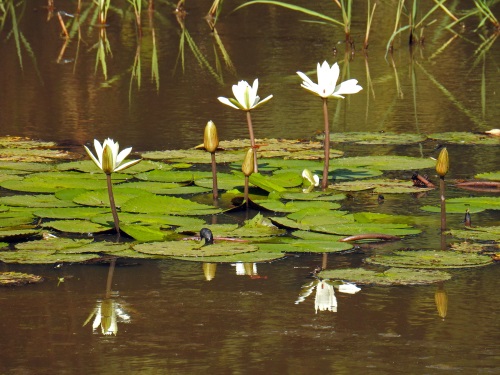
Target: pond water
(172,319)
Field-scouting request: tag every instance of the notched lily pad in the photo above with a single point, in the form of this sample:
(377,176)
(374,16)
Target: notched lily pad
(18,278)
(392,276)
(430,259)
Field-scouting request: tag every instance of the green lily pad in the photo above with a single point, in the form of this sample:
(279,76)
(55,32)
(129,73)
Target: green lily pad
(386,162)
(225,181)
(23,143)
(88,166)
(312,196)
(493,176)
(364,228)
(95,247)
(193,248)
(284,222)
(100,198)
(34,201)
(317,246)
(18,278)
(156,204)
(465,138)
(194,156)
(477,234)
(163,221)
(218,230)
(473,204)
(392,276)
(293,206)
(53,244)
(314,236)
(76,226)
(14,218)
(43,257)
(172,176)
(381,186)
(145,233)
(252,257)
(376,138)
(468,247)
(70,212)
(430,259)
(17,234)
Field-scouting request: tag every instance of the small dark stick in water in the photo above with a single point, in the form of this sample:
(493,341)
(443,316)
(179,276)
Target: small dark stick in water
(467,219)
(207,235)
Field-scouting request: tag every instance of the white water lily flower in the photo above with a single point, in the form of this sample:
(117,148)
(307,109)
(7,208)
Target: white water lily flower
(349,288)
(245,96)
(327,82)
(313,179)
(108,158)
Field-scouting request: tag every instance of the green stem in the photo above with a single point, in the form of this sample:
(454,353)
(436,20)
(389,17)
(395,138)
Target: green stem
(112,204)
(326,163)
(252,142)
(443,204)
(246,191)
(214,177)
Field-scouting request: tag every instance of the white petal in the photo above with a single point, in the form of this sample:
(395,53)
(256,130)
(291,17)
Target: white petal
(98,150)
(349,288)
(122,155)
(347,87)
(226,102)
(96,162)
(127,165)
(240,93)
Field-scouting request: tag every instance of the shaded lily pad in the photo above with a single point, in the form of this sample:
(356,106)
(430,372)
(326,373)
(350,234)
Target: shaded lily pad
(376,138)
(392,276)
(218,230)
(494,176)
(386,162)
(76,226)
(194,248)
(18,278)
(17,234)
(381,186)
(430,259)
(465,138)
(483,234)
(99,247)
(43,257)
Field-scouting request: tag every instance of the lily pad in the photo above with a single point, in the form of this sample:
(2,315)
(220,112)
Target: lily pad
(430,259)
(76,226)
(392,276)
(312,196)
(381,186)
(386,162)
(253,257)
(88,166)
(35,201)
(105,247)
(100,198)
(225,181)
(53,244)
(69,212)
(473,204)
(365,228)
(156,204)
(490,234)
(193,248)
(376,138)
(43,257)
(493,176)
(193,156)
(18,278)
(145,233)
(148,219)
(293,206)
(17,234)
(13,218)
(465,138)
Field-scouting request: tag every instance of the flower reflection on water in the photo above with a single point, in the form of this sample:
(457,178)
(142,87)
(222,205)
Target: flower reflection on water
(325,299)
(107,314)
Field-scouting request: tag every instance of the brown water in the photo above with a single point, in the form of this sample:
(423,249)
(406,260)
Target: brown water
(179,323)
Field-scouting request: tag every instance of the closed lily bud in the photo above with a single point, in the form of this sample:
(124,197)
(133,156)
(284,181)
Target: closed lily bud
(210,139)
(107,160)
(248,166)
(443,163)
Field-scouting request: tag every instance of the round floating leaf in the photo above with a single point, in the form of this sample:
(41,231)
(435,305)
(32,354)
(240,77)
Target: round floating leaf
(145,233)
(312,196)
(17,234)
(225,181)
(105,247)
(172,176)
(26,167)
(386,162)
(148,219)
(157,204)
(88,166)
(465,138)
(253,257)
(314,236)
(53,244)
(35,201)
(380,186)
(317,246)
(284,222)
(14,218)
(430,259)
(43,257)
(473,204)
(194,248)
(218,230)
(494,176)
(69,212)
(18,278)
(477,235)
(193,156)
(364,228)
(372,138)
(392,276)
(100,198)
(76,226)
(293,206)
(69,194)
(452,208)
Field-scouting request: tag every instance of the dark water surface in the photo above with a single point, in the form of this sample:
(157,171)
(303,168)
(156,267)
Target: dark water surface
(176,321)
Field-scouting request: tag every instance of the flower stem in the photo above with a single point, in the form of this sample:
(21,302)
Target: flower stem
(326,145)
(252,141)
(246,191)
(112,204)
(214,177)
(443,204)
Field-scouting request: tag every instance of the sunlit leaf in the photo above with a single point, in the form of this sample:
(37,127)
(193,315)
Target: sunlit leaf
(76,226)
(465,138)
(145,233)
(376,138)
(156,204)
(194,248)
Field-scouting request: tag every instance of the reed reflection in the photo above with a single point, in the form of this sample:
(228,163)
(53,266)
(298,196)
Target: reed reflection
(108,311)
(441,299)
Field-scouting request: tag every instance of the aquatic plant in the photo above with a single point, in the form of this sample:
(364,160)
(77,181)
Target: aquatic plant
(248,168)
(325,88)
(442,167)
(109,160)
(246,99)
(211,142)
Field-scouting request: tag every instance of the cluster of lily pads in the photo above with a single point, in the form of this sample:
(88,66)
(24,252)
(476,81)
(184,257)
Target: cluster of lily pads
(55,208)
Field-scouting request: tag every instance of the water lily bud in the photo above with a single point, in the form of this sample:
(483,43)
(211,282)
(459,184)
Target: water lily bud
(248,165)
(312,178)
(210,139)
(443,163)
(107,160)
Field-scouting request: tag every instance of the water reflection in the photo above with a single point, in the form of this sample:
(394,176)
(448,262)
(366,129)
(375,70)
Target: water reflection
(441,299)
(108,311)
(324,300)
